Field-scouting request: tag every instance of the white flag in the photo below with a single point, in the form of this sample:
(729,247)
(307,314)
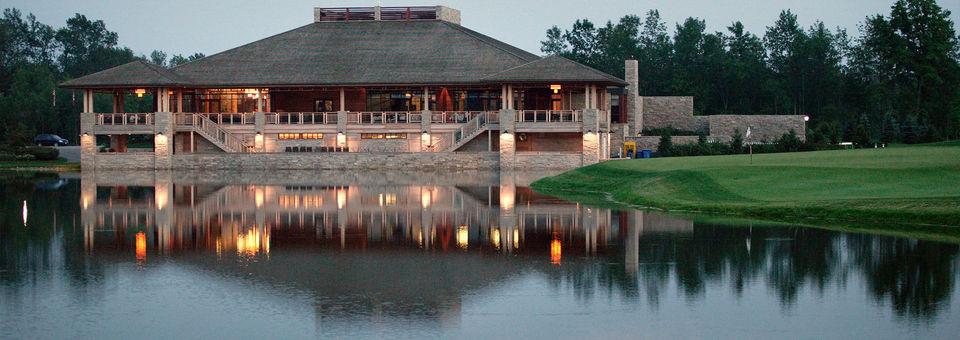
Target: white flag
(748,132)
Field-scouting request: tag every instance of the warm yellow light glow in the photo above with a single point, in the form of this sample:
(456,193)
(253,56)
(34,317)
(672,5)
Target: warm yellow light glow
(508,194)
(140,92)
(341,139)
(85,201)
(258,141)
(426,198)
(141,246)
(425,138)
(161,196)
(24,213)
(556,251)
(252,242)
(341,198)
(556,88)
(252,93)
(495,237)
(258,197)
(463,237)
(516,238)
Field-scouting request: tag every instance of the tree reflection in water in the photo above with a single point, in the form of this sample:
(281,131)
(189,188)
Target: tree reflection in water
(419,250)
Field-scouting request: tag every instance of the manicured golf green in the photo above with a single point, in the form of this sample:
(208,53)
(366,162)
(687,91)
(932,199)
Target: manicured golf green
(904,184)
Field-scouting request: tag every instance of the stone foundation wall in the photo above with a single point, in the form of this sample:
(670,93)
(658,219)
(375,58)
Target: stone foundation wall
(337,161)
(126,160)
(763,127)
(548,160)
(699,124)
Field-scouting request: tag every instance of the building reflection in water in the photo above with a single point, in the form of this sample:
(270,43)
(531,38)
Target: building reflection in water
(362,230)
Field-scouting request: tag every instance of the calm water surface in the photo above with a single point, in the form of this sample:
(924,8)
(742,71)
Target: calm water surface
(322,254)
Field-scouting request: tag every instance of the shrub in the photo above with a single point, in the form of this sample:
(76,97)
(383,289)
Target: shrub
(41,153)
(736,144)
(665,148)
(890,130)
(6,157)
(789,142)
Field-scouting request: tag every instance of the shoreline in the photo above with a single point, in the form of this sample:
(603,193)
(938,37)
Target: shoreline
(834,187)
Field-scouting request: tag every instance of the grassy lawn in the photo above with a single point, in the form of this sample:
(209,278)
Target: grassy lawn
(904,184)
(57,165)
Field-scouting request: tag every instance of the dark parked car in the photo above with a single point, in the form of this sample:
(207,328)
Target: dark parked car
(50,140)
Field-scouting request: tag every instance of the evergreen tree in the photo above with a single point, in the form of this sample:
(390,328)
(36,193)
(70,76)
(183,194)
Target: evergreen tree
(890,129)
(862,136)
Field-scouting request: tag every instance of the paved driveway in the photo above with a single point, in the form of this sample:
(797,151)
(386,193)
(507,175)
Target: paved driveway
(71,153)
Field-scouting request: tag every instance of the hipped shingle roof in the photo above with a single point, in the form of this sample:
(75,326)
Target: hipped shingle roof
(135,73)
(360,53)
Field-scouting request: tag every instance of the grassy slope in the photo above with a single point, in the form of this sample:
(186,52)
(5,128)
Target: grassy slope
(916,184)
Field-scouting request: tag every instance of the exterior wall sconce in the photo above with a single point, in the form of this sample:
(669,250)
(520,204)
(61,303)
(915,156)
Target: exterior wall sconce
(506,132)
(556,88)
(341,138)
(806,118)
(425,137)
(140,92)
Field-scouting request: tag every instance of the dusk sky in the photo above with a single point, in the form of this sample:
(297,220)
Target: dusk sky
(188,26)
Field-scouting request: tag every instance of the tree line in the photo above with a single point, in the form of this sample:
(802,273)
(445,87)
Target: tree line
(35,57)
(897,81)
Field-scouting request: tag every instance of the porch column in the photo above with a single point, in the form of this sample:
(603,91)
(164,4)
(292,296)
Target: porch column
(180,101)
(259,100)
(634,101)
(343,99)
(341,130)
(426,121)
(163,129)
(508,146)
(591,137)
(88,141)
(259,125)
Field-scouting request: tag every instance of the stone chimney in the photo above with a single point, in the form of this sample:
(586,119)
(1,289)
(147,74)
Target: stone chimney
(634,101)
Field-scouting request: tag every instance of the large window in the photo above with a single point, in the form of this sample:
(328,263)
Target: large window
(383,136)
(296,136)
(397,100)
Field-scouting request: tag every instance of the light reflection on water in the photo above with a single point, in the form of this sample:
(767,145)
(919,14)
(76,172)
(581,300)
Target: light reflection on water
(462,254)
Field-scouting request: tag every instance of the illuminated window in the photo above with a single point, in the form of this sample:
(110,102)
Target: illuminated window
(383,136)
(292,136)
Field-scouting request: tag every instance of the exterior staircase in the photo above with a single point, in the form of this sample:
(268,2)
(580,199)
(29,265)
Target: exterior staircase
(223,139)
(468,131)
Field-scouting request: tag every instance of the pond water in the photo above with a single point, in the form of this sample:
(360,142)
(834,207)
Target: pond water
(412,255)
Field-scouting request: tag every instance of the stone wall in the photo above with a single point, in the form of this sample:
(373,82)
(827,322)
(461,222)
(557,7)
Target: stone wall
(548,160)
(338,161)
(388,145)
(667,105)
(699,124)
(542,141)
(126,161)
(763,127)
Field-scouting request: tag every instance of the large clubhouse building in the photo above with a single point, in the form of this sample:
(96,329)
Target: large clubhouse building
(377,87)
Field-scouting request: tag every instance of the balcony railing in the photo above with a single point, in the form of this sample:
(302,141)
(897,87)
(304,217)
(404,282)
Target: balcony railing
(549,116)
(115,119)
(301,118)
(384,118)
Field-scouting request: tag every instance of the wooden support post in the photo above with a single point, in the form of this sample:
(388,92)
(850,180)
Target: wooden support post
(343,99)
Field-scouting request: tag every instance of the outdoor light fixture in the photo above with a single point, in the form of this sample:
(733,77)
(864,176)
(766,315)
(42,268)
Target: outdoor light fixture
(140,92)
(806,118)
(341,138)
(556,88)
